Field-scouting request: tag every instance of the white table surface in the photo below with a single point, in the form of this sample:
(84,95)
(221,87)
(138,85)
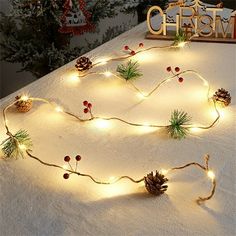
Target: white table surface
(36,200)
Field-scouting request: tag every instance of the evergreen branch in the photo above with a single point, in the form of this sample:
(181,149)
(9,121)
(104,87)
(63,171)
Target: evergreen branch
(176,128)
(12,146)
(129,71)
(180,37)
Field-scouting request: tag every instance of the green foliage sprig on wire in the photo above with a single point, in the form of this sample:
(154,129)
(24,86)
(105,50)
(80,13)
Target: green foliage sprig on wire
(11,146)
(176,128)
(180,37)
(129,71)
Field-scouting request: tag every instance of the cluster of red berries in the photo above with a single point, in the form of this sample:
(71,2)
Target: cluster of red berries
(88,106)
(177,70)
(67,159)
(131,51)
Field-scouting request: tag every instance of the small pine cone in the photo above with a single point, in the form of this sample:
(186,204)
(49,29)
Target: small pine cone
(23,106)
(83,64)
(222,96)
(154,183)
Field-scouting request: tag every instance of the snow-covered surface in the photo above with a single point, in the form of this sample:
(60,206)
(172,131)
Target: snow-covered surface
(36,200)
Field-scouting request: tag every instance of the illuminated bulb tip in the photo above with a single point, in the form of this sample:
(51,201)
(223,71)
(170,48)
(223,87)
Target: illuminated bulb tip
(164,171)
(65,167)
(102,124)
(181,44)
(211,174)
(58,109)
(24,98)
(142,96)
(22,146)
(103,62)
(107,73)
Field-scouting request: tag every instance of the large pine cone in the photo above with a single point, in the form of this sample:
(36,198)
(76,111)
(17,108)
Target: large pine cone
(154,183)
(222,96)
(23,106)
(83,64)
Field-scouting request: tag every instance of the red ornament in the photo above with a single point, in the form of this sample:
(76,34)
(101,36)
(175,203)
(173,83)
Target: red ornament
(66,158)
(126,47)
(71,24)
(66,176)
(177,69)
(132,53)
(181,79)
(86,110)
(78,158)
(85,103)
(168,68)
(89,105)
(141,45)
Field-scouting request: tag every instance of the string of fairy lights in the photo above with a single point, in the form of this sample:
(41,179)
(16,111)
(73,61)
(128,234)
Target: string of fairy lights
(20,144)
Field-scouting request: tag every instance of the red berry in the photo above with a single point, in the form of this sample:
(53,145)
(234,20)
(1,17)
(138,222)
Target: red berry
(89,105)
(126,47)
(177,69)
(141,45)
(168,68)
(66,158)
(85,103)
(132,53)
(86,110)
(181,79)
(78,158)
(66,176)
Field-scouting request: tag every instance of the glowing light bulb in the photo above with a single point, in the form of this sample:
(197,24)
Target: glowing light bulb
(107,73)
(103,61)
(22,146)
(24,98)
(205,83)
(164,171)
(195,129)
(65,167)
(58,109)
(181,44)
(102,124)
(142,96)
(211,174)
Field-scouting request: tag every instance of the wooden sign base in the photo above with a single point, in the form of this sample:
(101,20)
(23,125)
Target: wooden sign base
(171,36)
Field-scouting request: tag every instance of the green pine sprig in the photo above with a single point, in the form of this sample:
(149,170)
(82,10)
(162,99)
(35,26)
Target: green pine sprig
(130,71)
(176,128)
(180,37)
(12,145)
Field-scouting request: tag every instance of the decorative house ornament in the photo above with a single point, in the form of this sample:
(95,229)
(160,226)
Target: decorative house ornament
(199,22)
(75,18)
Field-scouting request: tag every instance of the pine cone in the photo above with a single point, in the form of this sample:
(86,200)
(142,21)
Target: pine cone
(222,96)
(154,183)
(23,106)
(83,64)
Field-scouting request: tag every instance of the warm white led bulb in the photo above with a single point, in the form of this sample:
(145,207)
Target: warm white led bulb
(182,44)
(22,146)
(107,73)
(58,109)
(24,98)
(164,171)
(211,174)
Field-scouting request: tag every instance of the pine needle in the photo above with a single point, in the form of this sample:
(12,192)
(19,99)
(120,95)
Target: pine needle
(176,128)
(129,71)
(11,146)
(180,37)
